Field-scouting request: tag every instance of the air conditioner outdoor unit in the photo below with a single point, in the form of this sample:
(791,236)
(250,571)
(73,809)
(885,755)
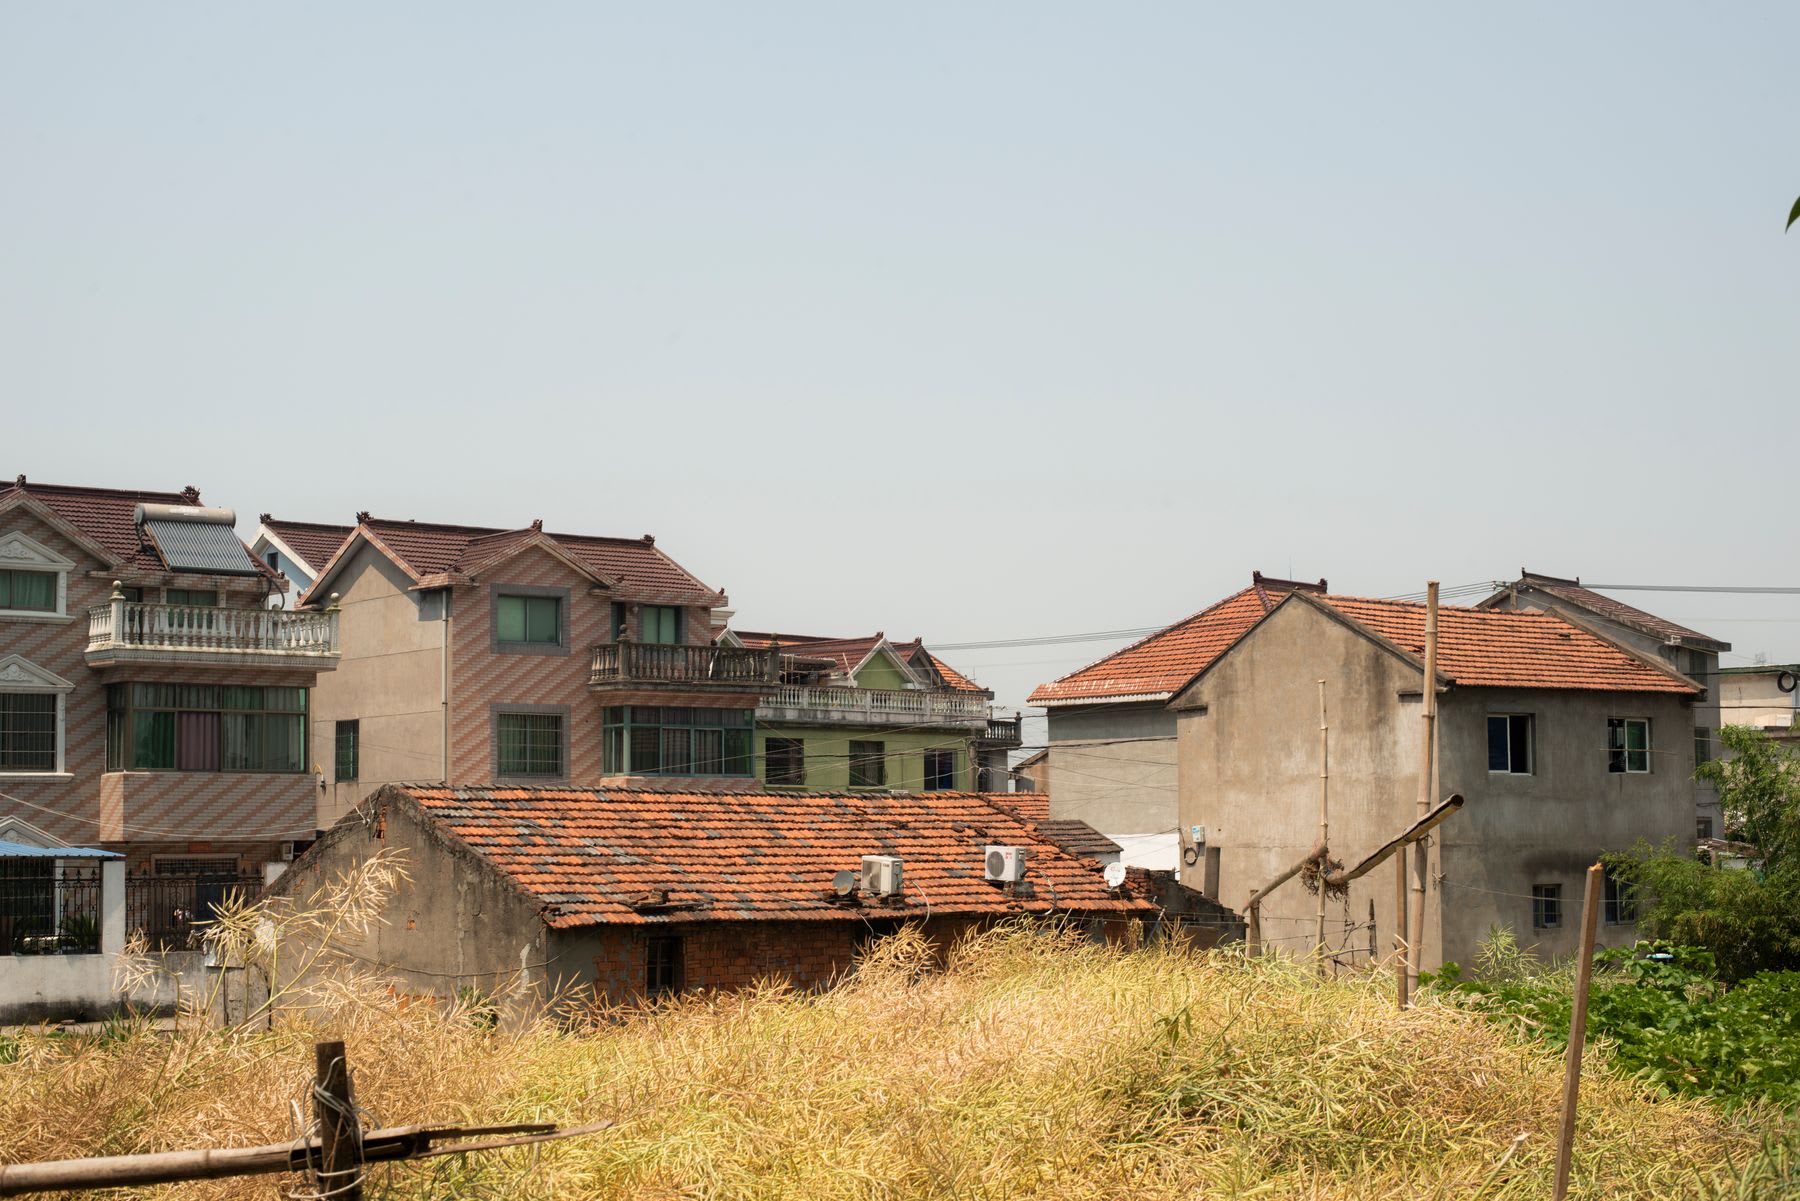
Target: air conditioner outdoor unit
(881,875)
(1006,864)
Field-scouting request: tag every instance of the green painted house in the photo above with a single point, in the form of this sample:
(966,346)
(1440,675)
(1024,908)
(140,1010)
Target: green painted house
(871,713)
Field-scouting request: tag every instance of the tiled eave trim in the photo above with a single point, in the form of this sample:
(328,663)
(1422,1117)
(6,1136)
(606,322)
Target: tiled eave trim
(1116,698)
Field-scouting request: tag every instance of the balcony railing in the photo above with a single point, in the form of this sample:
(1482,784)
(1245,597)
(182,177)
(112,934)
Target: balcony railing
(798,701)
(647,663)
(123,625)
(1005,731)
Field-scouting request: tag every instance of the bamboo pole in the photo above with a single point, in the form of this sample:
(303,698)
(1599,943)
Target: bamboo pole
(1324,816)
(1565,1140)
(1415,928)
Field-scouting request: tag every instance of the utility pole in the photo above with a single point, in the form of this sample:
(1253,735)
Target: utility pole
(1427,779)
(1324,816)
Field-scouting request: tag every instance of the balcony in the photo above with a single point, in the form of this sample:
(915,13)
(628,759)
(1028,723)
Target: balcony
(1005,732)
(874,707)
(123,631)
(668,673)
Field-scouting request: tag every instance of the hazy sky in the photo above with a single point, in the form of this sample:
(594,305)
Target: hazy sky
(975,321)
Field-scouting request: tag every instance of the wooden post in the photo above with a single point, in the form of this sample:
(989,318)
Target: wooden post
(1324,819)
(1253,929)
(1400,955)
(1415,929)
(1565,1142)
(340,1133)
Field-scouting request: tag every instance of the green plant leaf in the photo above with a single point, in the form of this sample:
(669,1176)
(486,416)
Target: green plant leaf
(1794,214)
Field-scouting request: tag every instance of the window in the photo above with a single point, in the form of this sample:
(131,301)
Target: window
(1627,744)
(1702,745)
(34,591)
(530,744)
(1621,902)
(662,965)
(1546,906)
(784,761)
(868,764)
(530,619)
(349,738)
(618,620)
(205,727)
(27,731)
(662,624)
(1703,827)
(202,597)
(1509,743)
(940,771)
(1699,668)
(672,740)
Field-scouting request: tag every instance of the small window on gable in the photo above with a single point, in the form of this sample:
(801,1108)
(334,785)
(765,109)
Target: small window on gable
(1628,745)
(529,619)
(1510,743)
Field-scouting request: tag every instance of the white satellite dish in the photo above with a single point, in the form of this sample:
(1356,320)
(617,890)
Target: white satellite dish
(1114,875)
(845,883)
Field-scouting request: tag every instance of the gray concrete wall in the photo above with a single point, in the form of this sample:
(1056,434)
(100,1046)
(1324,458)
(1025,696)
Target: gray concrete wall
(454,924)
(391,679)
(1115,767)
(1249,764)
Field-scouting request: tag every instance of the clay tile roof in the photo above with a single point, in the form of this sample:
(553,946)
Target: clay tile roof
(954,678)
(430,549)
(1495,648)
(313,541)
(1619,611)
(845,653)
(1078,838)
(107,516)
(588,854)
(1157,667)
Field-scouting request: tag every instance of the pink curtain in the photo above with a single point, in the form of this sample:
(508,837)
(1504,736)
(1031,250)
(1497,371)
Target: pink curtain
(197,742)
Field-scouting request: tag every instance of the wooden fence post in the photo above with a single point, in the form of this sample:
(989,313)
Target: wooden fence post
(1565,1142)
(340,1131)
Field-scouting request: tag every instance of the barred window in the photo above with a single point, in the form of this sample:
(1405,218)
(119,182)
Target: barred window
(349,748)
(662,965)
(530,744)
(27,731)
(868,764)
(784,761)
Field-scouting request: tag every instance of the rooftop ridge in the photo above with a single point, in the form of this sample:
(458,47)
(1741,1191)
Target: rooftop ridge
(270,519)
(188,495)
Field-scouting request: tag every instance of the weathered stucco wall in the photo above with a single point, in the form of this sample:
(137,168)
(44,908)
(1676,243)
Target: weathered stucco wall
(1115,767)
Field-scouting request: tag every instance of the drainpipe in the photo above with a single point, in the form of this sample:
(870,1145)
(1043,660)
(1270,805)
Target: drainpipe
(444,684)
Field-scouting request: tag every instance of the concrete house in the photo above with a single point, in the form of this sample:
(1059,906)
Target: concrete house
(1765,697)
(637,892)
(1564,744)
(1693,654)
(298,550)
(1111,758)
(151,702)
(871,713)
(478,655)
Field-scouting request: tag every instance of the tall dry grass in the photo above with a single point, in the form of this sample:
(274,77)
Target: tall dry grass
(1033,1065)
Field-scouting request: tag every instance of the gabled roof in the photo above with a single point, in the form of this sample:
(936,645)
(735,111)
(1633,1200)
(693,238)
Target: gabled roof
(437,554)
(847,655)
(312,543)
(1496,648)
(105,519)
(1605,606)
(629,855)
(1157,667)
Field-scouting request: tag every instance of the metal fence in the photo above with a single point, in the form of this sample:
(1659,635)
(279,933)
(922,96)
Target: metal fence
(172,912)
(48,910)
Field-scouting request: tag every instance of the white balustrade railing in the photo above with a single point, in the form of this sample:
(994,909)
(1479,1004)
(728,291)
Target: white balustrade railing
(145,626)
(878,702)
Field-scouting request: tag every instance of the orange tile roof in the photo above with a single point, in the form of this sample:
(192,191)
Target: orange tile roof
(1616,610)
(107,515)
(588,854)
(1157,667)
(846,653)
(1494,648)
(313,541)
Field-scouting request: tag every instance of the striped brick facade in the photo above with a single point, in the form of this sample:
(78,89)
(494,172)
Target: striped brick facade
(143,814)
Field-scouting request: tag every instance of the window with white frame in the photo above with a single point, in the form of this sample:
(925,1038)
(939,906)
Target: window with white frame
(1628,744)
(33,714)
(34,580)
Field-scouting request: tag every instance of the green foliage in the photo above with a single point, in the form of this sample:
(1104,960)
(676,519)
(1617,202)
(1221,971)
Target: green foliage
(1759,789)
(1748,920)
(1667,1017)
(1794,215)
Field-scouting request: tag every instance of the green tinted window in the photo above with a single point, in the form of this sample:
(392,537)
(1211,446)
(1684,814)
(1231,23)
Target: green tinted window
(530,619)
(33,590)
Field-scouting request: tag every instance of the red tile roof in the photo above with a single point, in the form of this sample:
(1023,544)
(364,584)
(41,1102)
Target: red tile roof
(1491,648)
(313,541)
(845,653)
(107,515)
(429,549)
(588,854)
(1157,667)
(1613,610)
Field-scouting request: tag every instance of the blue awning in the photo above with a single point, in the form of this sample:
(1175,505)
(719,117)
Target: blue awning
(20,850)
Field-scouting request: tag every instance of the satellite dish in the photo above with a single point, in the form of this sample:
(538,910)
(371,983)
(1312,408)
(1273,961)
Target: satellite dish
(844,883)
(1114,874)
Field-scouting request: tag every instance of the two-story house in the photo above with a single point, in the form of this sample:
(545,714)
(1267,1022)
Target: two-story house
(873,713)
(1111,735)
(151,701)
(1564,744)
(298,550)
(1689,652)
(474,655)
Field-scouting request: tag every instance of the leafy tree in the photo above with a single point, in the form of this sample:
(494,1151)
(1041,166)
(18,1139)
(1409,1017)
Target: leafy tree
(1759,789)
